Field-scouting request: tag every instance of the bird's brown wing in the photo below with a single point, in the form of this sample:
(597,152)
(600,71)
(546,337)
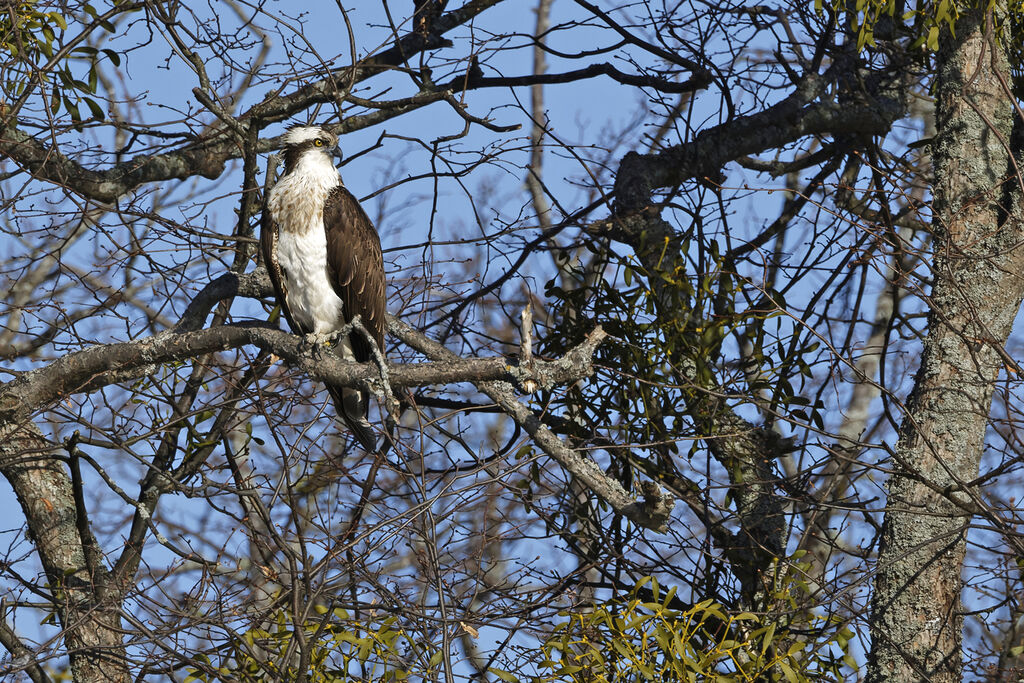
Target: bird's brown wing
(355,266)
(268,245)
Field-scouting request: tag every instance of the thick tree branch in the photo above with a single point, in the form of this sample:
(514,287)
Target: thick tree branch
(656,507)
(99,366)
(795,117)
(22,658)
(207,157)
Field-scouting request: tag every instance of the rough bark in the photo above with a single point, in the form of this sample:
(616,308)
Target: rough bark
(87,606)
(916,620)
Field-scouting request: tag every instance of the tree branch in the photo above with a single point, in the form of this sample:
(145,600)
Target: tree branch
(598,69)
(656,507)
(22,658)
(208,156)
(795,117)
(744,449)
(99,366)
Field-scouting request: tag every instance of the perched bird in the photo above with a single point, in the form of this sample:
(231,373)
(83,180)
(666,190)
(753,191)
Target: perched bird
(323,255)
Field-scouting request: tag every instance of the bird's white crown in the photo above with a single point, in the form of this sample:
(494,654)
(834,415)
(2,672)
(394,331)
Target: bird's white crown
(296,135)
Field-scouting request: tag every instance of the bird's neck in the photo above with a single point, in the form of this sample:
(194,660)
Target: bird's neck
(297,201)
(314,168)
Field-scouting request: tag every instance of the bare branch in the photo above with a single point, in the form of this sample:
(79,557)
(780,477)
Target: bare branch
(655,509)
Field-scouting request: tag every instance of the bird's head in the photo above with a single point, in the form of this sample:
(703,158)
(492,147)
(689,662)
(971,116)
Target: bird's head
(308,144)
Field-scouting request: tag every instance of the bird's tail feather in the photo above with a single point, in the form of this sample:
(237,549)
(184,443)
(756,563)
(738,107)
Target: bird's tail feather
(351,407)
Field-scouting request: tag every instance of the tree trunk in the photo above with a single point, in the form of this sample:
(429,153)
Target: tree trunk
(88,609)
(916,618)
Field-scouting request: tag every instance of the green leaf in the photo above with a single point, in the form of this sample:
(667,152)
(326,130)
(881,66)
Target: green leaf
(769,636)
(58,19)
(365,644)
(72,109)
(788,672)
(502,675)
(95,109)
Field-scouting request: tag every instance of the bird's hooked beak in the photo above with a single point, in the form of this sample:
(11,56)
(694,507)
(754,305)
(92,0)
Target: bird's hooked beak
(336,153)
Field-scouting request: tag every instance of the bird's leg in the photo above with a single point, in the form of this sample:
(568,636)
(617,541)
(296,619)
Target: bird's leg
(383,392)
(356,325)
(315,342)
(320,338)
(334,338)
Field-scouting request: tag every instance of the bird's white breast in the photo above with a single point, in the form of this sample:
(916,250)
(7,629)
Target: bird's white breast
(311,298)
(297,205)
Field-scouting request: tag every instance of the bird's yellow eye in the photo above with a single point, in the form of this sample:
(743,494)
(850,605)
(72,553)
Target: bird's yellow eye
(318,143)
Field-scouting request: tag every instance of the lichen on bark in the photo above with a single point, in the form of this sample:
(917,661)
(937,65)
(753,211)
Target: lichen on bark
(916,620)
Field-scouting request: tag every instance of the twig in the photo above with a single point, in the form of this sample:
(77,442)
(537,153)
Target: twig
(656,508)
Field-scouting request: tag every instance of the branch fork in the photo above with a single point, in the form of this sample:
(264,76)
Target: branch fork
(653,512)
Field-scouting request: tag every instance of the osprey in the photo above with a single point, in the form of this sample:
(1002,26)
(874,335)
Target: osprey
(324,259)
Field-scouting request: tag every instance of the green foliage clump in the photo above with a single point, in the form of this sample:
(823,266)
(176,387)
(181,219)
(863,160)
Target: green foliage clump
(648,636)
(923,22)
(926,20)
(330,647)
(39,51)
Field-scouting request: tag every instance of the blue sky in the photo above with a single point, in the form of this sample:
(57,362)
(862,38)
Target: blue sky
(471,223)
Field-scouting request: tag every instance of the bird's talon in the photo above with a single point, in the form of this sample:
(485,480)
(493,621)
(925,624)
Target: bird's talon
(315,342)
(318,339)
